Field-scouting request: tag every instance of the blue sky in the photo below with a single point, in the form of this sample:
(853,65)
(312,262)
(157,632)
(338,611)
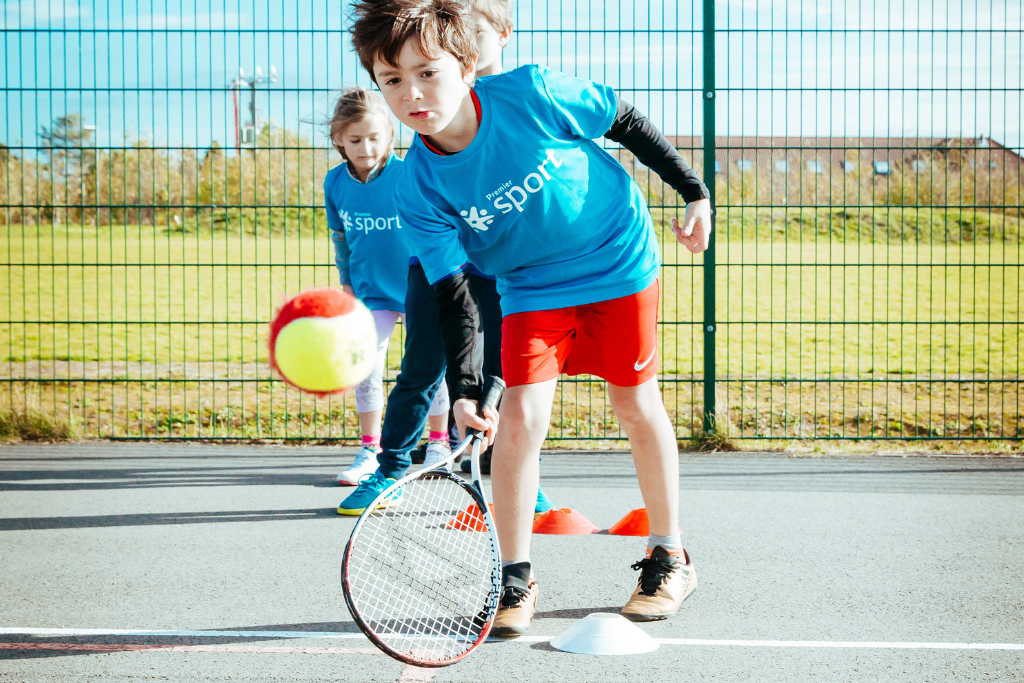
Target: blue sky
(951,67)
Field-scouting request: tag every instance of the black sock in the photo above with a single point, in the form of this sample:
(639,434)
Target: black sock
(517,574)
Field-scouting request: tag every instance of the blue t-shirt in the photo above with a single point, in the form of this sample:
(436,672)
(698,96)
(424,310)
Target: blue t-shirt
(533,199)
(366,228)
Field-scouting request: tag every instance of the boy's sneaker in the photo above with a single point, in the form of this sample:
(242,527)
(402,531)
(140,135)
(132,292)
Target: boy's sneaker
(365,464)
(364,494)
(543,503)
(665,581)
(516,607)
(418,454)
(436,452)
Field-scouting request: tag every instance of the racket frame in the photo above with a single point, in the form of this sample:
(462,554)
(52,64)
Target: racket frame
(473,442)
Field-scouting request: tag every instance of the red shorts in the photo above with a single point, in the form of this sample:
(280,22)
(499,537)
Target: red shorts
(615,340)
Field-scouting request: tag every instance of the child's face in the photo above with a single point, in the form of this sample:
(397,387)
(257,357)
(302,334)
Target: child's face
(365,142)
(490,42)
(425,94)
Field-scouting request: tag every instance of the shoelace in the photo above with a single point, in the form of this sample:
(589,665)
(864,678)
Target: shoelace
(652,574)
(375,481)
(511,596)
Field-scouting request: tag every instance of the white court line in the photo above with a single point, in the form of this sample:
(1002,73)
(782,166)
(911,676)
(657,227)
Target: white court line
(699,642)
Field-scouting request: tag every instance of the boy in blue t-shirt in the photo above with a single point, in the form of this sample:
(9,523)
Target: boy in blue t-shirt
(424,361)
(505,173)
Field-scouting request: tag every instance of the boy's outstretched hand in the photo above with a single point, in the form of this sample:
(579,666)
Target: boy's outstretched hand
(695,231)
(466,416)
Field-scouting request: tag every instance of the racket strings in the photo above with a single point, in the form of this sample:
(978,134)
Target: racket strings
(423,588)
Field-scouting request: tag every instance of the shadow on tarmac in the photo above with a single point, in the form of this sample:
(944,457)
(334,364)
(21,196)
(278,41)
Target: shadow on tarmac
(976,477)
(33,653)
(148,477)
(576,613)
(31,523)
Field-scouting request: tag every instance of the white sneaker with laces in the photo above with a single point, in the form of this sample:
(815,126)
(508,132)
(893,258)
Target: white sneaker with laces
(436,452)
(365,464)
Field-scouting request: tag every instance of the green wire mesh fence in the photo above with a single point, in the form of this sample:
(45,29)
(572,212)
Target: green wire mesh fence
(161,169)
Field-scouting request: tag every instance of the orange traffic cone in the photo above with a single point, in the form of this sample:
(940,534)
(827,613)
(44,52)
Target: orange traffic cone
(564,522)
(635,523)
(469,519)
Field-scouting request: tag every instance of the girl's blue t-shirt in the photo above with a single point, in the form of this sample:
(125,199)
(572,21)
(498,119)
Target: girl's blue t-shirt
(533,199)
(363,220)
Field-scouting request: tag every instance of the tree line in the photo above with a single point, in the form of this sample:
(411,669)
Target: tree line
(277,183)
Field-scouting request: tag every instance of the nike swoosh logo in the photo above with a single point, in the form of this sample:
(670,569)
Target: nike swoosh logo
(641,366)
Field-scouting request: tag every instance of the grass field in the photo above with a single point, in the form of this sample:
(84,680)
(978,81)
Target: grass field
(805,312)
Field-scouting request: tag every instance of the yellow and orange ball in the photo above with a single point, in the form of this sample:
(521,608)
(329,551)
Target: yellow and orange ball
(323,341)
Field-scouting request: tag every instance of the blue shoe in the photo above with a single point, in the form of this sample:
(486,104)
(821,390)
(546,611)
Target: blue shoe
(364,494)
(543,503)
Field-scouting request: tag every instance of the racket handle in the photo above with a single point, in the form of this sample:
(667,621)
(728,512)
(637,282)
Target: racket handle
(489,397)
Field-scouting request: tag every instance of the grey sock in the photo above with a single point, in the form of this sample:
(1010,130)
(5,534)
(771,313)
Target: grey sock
(672,544)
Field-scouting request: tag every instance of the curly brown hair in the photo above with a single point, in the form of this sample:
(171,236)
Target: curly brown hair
(382,27)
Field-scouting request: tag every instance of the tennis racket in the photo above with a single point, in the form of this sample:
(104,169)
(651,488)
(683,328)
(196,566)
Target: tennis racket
(422,571)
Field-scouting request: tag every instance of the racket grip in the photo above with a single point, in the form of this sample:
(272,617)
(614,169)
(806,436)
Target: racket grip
(489,397)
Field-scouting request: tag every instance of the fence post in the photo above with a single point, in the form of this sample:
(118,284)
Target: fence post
(709,180)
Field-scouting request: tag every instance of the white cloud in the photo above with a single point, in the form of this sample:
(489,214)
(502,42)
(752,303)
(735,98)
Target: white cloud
(50,13)
(640,53)
(201,20)
(937,15)
(765,9)
(27,13)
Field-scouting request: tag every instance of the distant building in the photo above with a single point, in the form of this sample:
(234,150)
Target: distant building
(813,156)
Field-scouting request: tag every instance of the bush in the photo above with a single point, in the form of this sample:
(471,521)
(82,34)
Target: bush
(27,424)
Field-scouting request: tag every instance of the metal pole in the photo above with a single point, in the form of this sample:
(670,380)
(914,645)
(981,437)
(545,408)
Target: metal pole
(709,180)
(234,97)
(252,105)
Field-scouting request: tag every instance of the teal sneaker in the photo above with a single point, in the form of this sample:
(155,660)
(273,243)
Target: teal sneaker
(364,494)
(543,503)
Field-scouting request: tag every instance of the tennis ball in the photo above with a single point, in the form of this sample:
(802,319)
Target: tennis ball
(323,341)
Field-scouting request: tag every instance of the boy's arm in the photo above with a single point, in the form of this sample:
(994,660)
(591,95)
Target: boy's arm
(460,329)
(444,261)
(635,132)
(464,352)
(342,251)
(591,110)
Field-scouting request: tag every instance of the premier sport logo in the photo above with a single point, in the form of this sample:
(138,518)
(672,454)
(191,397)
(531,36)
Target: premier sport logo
(478,220)
(346,220)
(364,222)
(509,196)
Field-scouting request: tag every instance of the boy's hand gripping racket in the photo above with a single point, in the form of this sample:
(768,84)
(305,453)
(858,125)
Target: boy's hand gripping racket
(422,571)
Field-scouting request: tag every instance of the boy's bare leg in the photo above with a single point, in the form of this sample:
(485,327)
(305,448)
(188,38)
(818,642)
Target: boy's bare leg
(655,452)
(515,469)
(666,574)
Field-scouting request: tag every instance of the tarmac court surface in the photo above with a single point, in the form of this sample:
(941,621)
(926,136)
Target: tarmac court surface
(153,562)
